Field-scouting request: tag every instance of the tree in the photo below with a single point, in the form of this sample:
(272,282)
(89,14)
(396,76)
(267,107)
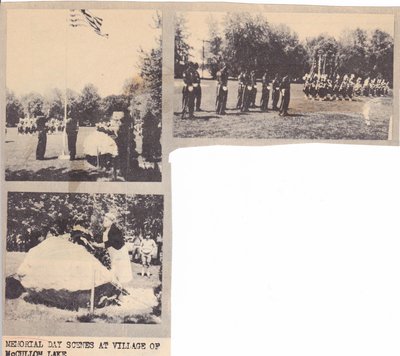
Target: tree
(150,65)
(215,42)
(287,54)
(112,103)
(182,48)
(88,105)
(151,73)
(33,104)
(14,109)
(380,54)
(54,103)
(353,52)
(246,41)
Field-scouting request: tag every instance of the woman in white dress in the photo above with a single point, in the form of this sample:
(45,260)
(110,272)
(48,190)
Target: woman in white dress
(113,241)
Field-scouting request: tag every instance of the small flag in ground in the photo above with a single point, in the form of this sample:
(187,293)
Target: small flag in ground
(83,18)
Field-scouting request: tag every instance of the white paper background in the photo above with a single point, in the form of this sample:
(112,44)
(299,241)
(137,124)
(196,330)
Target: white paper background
(286,250)
(290,250)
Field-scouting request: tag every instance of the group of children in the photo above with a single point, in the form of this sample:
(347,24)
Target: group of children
(323,87)
(28,126)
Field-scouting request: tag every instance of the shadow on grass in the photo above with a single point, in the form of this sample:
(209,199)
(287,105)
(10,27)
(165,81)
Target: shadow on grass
(49,158)
(77,175)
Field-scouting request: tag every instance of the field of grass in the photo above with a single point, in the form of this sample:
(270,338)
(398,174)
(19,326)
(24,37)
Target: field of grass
(135,308)
(21,163)
(308,119)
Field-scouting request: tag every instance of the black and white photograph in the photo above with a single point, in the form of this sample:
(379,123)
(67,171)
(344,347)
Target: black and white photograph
(83,99)
(322,76)
(84,258)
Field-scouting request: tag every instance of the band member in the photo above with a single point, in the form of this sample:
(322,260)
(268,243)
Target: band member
(197,87)
(222,91)
(285,92)
(275,92)
(265,92)
(246,92)
(189,78)
(253,92)
(72,128)
(241,85)
(42,136)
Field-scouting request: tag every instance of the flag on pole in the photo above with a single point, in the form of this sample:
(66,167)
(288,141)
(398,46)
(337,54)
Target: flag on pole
(83,18)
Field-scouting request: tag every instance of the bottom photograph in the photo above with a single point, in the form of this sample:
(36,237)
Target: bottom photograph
(78,257)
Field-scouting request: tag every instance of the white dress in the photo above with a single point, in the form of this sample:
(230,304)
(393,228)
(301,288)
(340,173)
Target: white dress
(120,261)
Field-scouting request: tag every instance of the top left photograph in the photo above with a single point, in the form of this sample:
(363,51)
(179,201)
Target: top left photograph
(83,95)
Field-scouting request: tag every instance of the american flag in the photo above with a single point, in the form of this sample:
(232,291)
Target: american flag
(83,18)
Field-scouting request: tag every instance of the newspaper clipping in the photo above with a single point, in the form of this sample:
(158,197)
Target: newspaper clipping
(97,94)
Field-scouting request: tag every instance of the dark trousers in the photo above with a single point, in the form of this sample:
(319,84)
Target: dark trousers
(197,97)
(41,146)
(222,97)
(264,99)
(285,104)
(253,95)
(275,99)
(72,137)
(239,97)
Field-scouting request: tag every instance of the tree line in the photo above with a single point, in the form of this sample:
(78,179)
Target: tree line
(249,41)
(34,215)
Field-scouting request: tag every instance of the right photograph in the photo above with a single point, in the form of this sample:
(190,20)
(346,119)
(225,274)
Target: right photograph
(322,76)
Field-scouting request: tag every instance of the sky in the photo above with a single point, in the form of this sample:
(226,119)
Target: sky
(304,24)
(43,52)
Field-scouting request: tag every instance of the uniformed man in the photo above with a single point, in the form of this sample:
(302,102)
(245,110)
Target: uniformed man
(264,92)
(336,87)
(222,91)
(241,85)
(246,93)
(72,128)
(285,93)
(275,92)
(42,136)
(253,92)
(350,87)
(197,87)
(189,78)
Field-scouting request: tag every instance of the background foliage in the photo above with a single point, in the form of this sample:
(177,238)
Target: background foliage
(31,216)
(248,41)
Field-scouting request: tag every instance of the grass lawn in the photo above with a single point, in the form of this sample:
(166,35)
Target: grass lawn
(21,163)
(336,120)
(136,307)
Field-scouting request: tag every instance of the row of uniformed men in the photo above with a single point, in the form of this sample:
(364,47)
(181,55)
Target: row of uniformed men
(247,91)
(322,87)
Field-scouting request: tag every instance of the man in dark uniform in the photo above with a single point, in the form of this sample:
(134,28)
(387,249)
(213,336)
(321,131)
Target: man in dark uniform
(72,128)
(253,93)
(275,92)
(188,91)
(264,92)
(42,136)
(197,87)
(246,93)
(222,91)
(241,79)
(285,92)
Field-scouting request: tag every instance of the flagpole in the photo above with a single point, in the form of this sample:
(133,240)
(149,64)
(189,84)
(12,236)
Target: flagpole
(63,152)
